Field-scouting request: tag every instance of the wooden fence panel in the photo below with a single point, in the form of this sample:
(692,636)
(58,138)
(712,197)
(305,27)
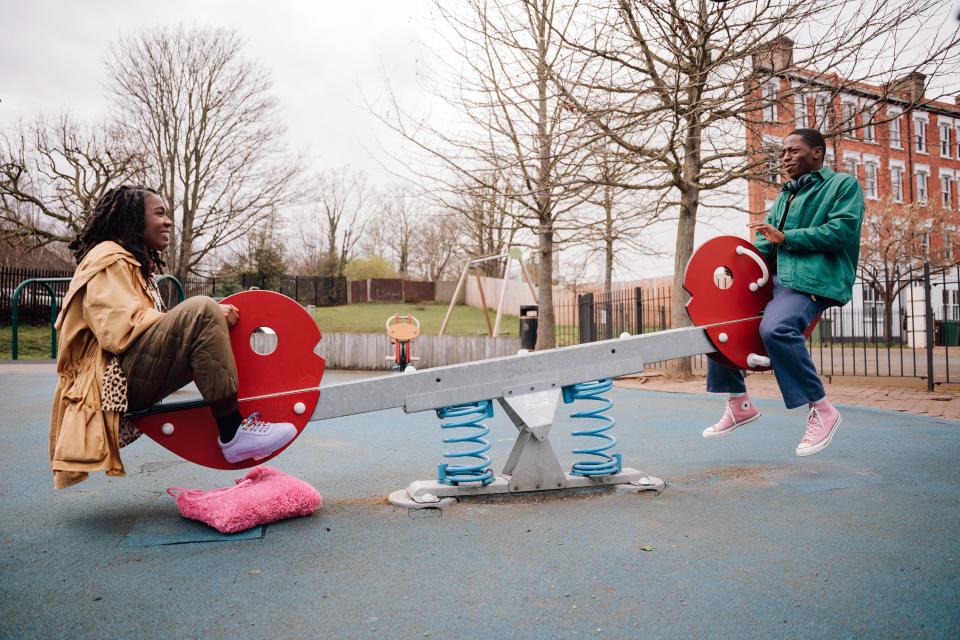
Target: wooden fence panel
(369,351)
(358,291)
(417,291)
(386,289)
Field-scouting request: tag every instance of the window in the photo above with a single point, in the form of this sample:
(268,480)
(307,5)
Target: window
(946,191)
(922,178)
(849,120)
(869,129)
(895,130)
(850,166)
(920,134)
(951,304)
(821,108)
(871,180)
(771,151)
(924,243)
(800,110)
(770,101)
(948,246)
(872,304)
(896,183)
(945,140)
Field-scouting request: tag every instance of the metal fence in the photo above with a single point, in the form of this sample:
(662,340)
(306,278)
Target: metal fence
(34,308)
(919,334)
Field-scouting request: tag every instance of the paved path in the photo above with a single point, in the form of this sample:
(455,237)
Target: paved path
(896,394)
(747,540)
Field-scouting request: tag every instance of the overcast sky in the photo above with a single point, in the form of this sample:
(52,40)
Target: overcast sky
(319,54)
(323,56)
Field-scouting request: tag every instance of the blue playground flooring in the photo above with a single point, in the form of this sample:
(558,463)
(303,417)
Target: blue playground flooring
(747,540)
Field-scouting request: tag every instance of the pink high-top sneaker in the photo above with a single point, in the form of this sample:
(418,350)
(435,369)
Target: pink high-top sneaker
(736,413)
(822,423)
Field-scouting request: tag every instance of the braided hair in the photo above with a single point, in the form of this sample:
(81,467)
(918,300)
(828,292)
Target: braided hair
(119,216)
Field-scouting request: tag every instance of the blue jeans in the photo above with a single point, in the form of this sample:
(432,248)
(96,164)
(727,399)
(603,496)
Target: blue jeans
(786,317)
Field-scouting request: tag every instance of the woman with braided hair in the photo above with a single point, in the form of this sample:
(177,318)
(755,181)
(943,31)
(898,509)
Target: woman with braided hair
(120,350)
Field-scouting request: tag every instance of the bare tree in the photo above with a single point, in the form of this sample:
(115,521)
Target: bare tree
(336,223)
(437,246)
(520,141)
(485,220)
(686,74)
(53,171)
(624,215)
(896,240)
(392,227)
(206,119)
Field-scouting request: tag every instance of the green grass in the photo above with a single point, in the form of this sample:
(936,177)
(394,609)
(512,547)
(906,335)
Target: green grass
(371,317)
(34,342)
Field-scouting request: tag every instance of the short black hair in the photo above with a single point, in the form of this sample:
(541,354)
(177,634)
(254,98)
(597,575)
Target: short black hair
(811,137)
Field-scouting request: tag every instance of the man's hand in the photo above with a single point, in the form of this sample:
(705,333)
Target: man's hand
(768,231)
(230,313)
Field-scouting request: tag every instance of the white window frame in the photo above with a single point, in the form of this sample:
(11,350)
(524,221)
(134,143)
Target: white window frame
(894,125)
(851,157)
(771,148)
(768,93)
(869,128)
(901,169)
(800,107)
(871,187)
(848,110)
(947,179)
(923,195)
(920,122)
(949,231)
(945,126)
(821,110)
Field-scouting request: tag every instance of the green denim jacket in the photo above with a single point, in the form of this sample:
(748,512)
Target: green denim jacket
(822,236)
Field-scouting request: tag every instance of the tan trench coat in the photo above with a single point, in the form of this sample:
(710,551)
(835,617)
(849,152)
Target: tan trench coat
(105,309)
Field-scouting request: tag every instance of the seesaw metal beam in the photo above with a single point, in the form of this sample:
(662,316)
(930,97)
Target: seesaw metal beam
(509,376)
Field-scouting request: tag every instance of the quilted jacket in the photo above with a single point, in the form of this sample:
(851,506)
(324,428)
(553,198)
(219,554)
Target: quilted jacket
(107,306)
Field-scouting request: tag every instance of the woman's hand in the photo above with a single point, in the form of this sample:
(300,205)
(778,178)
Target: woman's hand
(768,231)
(230,313)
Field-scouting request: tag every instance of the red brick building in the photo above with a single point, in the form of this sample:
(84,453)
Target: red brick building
(902,147)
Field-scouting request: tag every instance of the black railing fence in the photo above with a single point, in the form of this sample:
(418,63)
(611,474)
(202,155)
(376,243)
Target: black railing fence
(34,307)
(905,328)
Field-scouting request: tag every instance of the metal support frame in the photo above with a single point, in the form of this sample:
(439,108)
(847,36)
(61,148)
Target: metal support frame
(532,465)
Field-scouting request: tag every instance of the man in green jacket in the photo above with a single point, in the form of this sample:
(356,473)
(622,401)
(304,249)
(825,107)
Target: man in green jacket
(811,240)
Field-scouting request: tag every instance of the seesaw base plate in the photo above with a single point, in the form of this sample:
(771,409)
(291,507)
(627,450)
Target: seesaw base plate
(430,494)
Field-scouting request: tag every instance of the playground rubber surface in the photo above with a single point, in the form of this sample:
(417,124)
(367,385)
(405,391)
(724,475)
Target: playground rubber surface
(747,540)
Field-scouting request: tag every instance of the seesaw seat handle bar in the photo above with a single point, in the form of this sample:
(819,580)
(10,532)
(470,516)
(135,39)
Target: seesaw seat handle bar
(756,257)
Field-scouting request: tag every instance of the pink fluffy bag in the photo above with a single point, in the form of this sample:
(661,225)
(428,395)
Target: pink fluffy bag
(262,496)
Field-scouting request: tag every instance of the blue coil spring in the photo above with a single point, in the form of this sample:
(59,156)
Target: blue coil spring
(473,413)
(604,463)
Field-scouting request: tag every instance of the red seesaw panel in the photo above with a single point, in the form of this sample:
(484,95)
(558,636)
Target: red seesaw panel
(292,369)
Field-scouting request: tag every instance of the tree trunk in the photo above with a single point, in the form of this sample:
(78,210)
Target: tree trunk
(546,326)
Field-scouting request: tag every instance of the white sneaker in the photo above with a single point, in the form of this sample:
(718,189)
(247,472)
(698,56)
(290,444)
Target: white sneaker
(257,439)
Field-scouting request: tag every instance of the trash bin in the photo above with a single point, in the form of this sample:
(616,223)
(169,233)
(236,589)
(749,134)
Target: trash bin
(950,332)
(823,333)
(528,326)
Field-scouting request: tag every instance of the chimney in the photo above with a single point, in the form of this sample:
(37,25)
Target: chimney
(911,85)
(776,55)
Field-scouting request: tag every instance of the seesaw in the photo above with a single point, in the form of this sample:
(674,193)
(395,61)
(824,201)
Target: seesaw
(729,283)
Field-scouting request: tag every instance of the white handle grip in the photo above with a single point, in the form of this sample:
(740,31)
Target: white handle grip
(754,360)
(756,257)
